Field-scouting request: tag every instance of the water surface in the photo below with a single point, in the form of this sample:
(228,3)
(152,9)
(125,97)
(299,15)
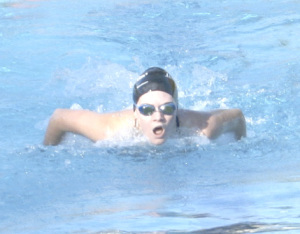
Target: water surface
(222,54)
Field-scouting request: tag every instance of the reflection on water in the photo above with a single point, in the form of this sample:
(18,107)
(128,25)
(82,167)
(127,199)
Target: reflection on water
(87,55)
(250,228)
(21,4)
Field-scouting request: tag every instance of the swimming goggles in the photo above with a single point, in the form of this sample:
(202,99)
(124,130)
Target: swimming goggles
(166,109)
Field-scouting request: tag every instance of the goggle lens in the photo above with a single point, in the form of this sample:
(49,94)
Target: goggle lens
(166,109)
(146,109)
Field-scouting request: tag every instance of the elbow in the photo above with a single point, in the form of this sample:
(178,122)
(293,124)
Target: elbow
(238,113)
(54,132)
(56,114)
(55,118)
(213,130)
(240,129)
(232,120)
(212,134)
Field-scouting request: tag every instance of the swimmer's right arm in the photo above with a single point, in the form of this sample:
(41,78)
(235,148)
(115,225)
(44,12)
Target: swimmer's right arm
(54,132)
(65,120)
(90,124)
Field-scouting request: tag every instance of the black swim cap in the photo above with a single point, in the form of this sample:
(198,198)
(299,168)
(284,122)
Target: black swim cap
(154,79)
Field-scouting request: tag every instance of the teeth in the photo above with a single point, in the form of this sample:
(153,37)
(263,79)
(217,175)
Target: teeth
(157,130)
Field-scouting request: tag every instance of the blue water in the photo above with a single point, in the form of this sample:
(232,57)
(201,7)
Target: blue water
(87,54)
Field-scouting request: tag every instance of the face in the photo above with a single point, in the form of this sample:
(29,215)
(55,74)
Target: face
(158,126)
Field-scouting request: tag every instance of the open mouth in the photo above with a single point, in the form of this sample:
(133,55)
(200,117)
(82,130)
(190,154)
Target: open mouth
(158,130)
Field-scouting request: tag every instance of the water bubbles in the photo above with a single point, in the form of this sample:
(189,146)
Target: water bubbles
(5,69)
(67,162)
(250,18)
(76,106)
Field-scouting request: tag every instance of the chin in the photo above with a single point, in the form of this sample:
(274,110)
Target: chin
(159,141)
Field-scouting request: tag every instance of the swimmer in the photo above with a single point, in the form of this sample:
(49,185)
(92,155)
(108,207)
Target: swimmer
(155,115)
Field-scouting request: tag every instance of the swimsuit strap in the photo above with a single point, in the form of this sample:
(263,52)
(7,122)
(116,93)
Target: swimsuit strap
(177,122)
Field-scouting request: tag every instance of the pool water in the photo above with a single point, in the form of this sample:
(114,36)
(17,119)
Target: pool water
(87,54)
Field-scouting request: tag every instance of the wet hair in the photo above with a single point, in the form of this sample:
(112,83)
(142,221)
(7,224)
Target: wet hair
(154,79)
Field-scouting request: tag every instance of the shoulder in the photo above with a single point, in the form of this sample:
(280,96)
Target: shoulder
(110,119)
(215,122)
(121,117)
(88,122)
(193,119)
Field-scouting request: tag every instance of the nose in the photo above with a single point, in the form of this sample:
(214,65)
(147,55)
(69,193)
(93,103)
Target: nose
(158,115)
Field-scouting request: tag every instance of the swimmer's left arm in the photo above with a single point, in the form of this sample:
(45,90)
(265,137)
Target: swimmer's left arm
(213,124)
(222,121)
